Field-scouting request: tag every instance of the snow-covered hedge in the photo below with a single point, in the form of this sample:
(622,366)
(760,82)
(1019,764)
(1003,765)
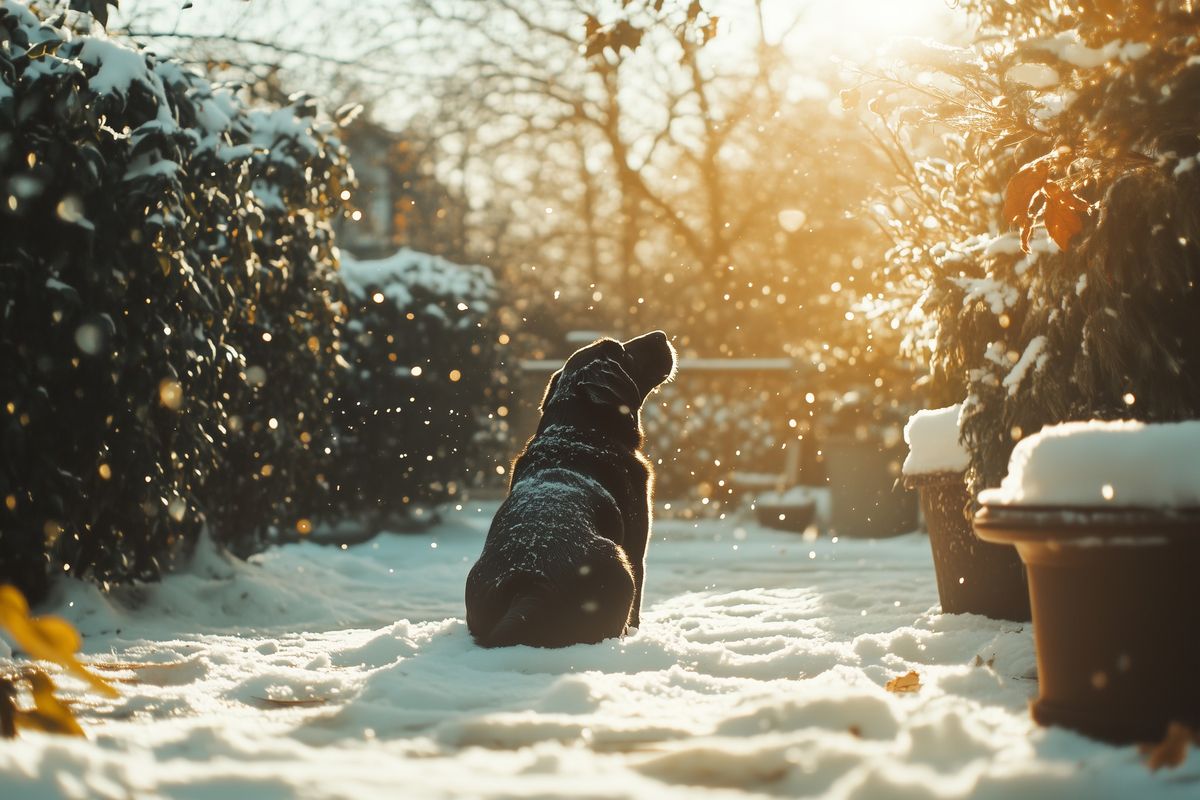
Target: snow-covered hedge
(702,429)
(1050,250)
(166,306)
(416,410)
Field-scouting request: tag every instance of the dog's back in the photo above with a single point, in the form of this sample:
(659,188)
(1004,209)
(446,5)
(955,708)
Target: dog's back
(551,573)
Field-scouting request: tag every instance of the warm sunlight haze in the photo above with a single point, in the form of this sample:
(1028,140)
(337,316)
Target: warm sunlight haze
(599,399)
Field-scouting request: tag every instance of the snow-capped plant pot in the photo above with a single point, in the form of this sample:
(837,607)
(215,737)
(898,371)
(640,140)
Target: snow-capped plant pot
(866,498)
(792,510)
(1106,517)
(973,577)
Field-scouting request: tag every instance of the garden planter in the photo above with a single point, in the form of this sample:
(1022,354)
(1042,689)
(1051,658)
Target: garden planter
(1106,517)
(865,496)
(1116,612)
(973,577)
(786,511)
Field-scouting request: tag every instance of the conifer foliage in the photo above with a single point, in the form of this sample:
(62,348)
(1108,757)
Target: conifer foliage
(1052,243)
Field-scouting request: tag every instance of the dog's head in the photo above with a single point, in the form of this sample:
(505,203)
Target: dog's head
(609,377)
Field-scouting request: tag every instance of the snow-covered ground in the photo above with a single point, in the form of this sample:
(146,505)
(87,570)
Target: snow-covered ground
(759,671)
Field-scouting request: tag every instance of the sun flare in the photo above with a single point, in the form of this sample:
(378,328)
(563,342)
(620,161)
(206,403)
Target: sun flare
(854,28)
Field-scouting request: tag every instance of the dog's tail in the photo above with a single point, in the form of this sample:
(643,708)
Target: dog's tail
(522,623)
(589,605)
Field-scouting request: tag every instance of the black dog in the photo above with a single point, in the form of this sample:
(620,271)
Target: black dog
(565,558)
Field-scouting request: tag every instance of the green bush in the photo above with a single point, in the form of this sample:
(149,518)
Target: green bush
(152,230)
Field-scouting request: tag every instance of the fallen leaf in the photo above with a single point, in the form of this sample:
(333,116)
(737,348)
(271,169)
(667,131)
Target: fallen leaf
(46,638)
(50,714)
(1172,750)
(904,684)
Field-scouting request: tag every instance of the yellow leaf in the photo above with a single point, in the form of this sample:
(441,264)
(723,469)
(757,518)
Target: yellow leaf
(46,638)
(50,714)
(904,684)
(57,633)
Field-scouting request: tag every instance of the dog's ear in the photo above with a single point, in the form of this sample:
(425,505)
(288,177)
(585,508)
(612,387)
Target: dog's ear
(604,382)
(550,387)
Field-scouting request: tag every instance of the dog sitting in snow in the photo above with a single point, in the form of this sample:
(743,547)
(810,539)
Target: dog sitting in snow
(565,558)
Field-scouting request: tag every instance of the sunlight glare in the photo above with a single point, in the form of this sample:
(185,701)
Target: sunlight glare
(854,29)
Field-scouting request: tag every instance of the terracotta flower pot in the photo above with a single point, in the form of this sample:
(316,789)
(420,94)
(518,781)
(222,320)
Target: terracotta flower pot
(1116,613)
(973,577)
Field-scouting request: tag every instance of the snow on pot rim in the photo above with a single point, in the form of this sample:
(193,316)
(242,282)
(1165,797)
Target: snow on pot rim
(935,454)
(1099,483)
(1122,465)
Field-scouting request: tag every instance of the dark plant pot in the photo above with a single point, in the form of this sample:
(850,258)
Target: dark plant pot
(973,577)
(1116,610)
(867,501)
(785,516)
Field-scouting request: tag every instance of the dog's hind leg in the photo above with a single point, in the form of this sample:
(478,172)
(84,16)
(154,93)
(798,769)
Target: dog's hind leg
(635,543)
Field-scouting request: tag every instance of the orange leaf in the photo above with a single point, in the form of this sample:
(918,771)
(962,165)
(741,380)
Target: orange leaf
(1026,232)
(904,684)
(1172,750)
(1021,188)
(1062,215)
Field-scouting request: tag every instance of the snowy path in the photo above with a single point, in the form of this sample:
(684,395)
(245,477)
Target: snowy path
(758,672)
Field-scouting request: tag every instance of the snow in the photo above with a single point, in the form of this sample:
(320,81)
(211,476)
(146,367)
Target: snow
(792,219)
(318,672)
(1119,464)
(931,53)
(998,295)
(403,275)
(1039,76)
(148,165)
(1033,357)
(933,446)
(1004,244)
(1069,47)
(118,66)
(1051,105)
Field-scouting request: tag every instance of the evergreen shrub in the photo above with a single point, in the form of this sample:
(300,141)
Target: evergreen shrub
(416,416)
(1052,243)
(166,291)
